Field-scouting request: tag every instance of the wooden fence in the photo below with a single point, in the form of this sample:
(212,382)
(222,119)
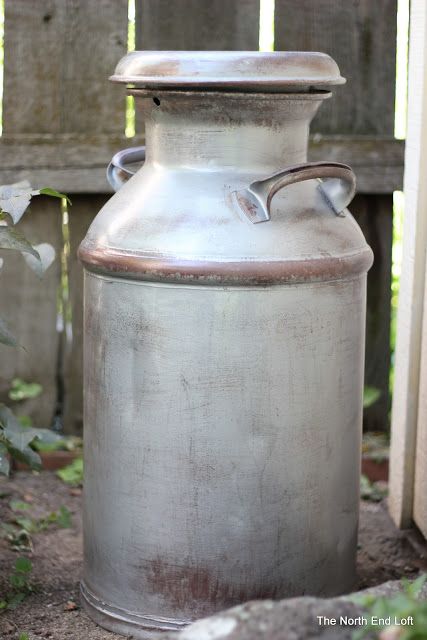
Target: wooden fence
(62,122)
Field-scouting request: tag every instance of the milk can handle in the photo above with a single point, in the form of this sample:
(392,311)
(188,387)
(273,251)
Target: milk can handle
(337,184)
(117,171)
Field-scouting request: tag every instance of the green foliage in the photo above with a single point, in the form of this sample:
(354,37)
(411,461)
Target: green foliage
(47,191)
(20,585)
(372,491)
(21,390)
(19,505)
(62,518)
(402,605)
(69,443)
(370,396)
(72,474)
(24,636)
(22,526)
(15,439)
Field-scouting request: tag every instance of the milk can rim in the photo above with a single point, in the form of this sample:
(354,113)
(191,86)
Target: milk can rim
(245,70)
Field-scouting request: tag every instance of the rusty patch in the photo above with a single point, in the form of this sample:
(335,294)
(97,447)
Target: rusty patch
(200,590)
(250,272)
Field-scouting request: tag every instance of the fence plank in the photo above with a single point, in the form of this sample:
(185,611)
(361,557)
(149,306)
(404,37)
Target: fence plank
(409,344)
(29,305)
(32,46)
(194,25)
(420,475)
(58,56)
(361,37)
(374,215)
(81,214)
(95,39)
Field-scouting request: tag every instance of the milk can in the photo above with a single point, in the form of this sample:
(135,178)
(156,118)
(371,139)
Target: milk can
(224,320)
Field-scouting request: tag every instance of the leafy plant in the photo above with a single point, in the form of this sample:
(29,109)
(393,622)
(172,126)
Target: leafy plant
(403,605)
(19,539)
(62,518)
(72,474)
(21,390)
(69,443)
(19,530)
(15,438)
(372,491)
(20,584)
(370,396)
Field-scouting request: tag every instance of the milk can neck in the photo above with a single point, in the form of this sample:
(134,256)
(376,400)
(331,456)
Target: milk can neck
(242,132)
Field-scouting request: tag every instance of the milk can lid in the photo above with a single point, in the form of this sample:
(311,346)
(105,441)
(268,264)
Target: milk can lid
(235,70)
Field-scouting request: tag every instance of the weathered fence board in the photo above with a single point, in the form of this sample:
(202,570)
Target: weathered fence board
(361,37)
(81,215)
(373,215)
(194,25)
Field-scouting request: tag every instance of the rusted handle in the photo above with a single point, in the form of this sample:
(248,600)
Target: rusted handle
(337,184)
(117,171)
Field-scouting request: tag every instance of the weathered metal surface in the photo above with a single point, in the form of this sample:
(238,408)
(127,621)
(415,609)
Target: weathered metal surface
(222,440)
(193,228)
(222,464)
(243,70)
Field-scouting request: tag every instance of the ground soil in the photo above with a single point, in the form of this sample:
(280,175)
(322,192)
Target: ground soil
(53,610)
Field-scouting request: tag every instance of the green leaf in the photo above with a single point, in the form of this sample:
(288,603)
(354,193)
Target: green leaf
(27,524)
(21,390)
(12,239)
(4,460)
(6,336)
(24,636)
(19,505)
(72,474)
(413,589)
(370,396)
(16,600)
(18,436)
(29,457)
(47,191)
(23,565)
(64,517)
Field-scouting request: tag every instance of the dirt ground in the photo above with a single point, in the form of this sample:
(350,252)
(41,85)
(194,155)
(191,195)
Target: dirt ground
(53,610)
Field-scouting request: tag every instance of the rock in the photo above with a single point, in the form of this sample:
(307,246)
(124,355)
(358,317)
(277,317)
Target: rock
(293,619)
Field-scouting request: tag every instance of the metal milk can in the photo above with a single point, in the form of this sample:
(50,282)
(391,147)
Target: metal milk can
(224,318)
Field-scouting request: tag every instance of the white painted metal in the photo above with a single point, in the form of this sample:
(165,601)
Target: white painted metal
(407,391)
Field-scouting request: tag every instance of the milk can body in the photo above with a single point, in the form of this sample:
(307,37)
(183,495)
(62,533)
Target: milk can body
(223,358)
